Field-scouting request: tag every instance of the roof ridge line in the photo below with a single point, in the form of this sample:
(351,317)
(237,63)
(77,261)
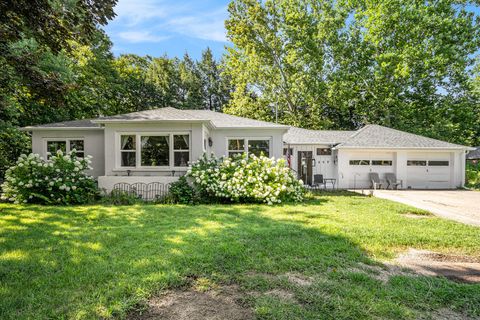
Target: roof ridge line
(356,132)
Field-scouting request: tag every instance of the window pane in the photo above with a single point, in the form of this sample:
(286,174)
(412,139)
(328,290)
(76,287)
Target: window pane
(128,159)
(236,144)
(438,163)
(416,163)
(77,145)
(54,146)
(381,162)
(180,158)
(359,162)
(80,154)
(259,147)
(155,151)
(289,150)
(127,142)
(324,151)
(180,142)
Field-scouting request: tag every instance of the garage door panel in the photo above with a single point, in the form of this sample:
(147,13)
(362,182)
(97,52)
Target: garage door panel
(428,170)
(379,162)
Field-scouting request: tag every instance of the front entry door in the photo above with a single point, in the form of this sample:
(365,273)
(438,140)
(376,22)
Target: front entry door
(305,166)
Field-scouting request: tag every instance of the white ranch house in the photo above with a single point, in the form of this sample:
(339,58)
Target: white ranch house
(156,146)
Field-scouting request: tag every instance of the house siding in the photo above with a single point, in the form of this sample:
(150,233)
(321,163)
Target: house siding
(94,145)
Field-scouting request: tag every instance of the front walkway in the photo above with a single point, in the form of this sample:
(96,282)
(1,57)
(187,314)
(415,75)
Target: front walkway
(459,205)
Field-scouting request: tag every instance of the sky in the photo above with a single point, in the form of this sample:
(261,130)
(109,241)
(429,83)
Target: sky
(157,27)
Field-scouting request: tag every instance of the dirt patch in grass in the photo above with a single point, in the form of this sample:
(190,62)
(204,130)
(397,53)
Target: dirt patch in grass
(447,314)
(455,267)
(282,295)
(299,279)
(292,277)
(221,303)
(381,273)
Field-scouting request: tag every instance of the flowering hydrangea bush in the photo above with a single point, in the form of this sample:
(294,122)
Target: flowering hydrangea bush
(246,179)
(60,180)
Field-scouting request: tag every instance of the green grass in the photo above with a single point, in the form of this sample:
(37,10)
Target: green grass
(100,261)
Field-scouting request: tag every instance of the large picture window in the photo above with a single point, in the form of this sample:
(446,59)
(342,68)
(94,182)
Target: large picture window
(154,150)
(65,145)
(256,146)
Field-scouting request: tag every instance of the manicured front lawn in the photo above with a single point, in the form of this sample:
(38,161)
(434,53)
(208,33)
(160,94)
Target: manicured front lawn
(100,261)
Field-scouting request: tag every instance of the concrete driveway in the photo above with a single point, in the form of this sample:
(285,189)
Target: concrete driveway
(459,205)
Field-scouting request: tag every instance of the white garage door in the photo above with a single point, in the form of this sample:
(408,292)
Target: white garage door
(429,170)
(361,164)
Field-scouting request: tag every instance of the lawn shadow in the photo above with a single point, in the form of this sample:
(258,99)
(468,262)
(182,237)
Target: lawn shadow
(100,261)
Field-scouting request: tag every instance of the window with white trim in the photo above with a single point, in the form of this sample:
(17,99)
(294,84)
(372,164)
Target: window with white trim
(156,150)
(128,150)
(65,145)
(259,147)
(256,146)
(181,150)
(236,147)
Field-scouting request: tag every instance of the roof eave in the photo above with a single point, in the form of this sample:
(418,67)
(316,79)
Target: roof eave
(406,148)
(123,121)
(312,143)
(33,128)
(253,127)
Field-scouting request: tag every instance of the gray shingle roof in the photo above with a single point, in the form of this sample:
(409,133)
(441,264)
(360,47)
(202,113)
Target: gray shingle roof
(304,136)
(474,154)
(375,136)
(219,120)
(86,123)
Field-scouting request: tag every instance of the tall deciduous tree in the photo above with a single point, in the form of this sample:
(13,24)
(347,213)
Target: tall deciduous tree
(341,64)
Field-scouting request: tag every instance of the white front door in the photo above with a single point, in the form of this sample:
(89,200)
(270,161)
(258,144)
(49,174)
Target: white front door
(428,170)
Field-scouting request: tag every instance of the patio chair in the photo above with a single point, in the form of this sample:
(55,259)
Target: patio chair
(375,181)
(318,181)
(392,181)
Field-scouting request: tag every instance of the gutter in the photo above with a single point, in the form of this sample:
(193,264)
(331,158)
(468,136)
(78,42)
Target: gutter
(407,148)
(33,128)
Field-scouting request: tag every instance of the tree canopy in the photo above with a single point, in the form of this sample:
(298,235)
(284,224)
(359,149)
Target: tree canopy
(406,64)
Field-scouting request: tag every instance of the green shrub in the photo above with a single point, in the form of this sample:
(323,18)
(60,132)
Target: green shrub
(60,180)
(473,176)
(245,179)
(181,192)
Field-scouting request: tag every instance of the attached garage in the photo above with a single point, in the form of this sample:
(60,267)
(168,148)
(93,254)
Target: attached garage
(361,164)
(429,170)
(419,162)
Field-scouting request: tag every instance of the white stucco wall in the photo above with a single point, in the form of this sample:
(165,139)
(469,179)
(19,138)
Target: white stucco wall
(93,144)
